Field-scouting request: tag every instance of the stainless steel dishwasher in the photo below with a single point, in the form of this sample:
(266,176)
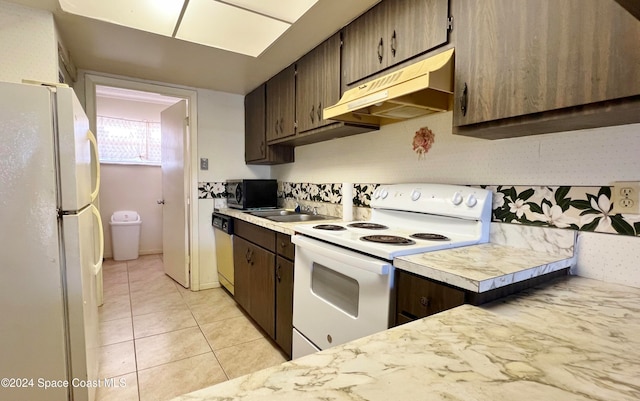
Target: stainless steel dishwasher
(223,236)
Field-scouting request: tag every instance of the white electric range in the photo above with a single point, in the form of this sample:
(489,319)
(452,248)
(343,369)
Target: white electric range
(344,272)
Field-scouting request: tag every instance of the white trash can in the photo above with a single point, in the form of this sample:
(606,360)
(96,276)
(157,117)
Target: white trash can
(125,234)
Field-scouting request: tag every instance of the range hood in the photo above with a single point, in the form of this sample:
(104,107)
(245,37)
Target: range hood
(422,88)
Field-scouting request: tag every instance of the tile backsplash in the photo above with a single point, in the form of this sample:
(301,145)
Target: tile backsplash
(579,208)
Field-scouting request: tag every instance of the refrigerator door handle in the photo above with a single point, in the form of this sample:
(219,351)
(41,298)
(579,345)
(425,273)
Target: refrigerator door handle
(96,155)
(98,264)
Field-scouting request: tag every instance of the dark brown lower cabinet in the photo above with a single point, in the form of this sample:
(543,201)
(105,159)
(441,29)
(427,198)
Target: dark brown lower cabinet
(284,303)
(419,297)
(263,261)
(255,282)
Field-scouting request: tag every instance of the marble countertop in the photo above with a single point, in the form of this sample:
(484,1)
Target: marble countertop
(284,228)
(575,339)
(483,267)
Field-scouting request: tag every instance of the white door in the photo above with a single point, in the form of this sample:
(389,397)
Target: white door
(175,212)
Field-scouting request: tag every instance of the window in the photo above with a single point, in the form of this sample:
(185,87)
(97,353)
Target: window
(125,141)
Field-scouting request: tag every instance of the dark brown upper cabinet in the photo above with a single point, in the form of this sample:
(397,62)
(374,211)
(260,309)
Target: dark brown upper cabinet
(256,149)
(318,83)
(392,32)
(532,67)
(281,113)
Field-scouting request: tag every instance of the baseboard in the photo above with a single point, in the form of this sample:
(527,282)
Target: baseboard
(208,286)
(147,252)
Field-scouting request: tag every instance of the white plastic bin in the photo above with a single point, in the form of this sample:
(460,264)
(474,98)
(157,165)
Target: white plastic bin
(125,234)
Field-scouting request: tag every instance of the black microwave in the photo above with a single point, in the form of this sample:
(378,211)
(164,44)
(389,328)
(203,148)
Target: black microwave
(252,194)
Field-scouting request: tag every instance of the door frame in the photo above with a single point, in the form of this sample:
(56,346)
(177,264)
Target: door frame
(91,80)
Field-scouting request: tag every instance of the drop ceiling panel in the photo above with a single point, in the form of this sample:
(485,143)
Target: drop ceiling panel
(215,24)
(286,10)
(156,16)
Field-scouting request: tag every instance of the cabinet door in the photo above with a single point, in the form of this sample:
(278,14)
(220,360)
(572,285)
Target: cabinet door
(418,297)
(273,108)
(262,288)
(517,57)
(317,84)
(364,44)
(281,104)
(242,290)
(390,33)
(284,304)
(255,282)
(330,80)
(309,90)
(415,26)
(255,144)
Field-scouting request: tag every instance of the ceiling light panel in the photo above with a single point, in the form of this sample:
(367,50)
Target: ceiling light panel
(215,24)
(156,16)
(286,10)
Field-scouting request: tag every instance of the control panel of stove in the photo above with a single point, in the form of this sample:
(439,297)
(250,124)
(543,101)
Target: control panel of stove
(440,199)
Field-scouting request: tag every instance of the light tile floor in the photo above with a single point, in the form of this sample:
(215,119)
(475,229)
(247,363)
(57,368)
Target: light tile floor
(163,340)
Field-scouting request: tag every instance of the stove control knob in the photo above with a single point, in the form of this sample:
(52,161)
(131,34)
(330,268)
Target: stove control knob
(376,193)
(472,200)
(384,194)
(457,198)
(415,195)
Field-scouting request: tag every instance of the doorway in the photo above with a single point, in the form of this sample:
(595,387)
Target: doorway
(139,183)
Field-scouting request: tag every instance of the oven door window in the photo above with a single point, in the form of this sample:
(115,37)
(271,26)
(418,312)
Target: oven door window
(335,288)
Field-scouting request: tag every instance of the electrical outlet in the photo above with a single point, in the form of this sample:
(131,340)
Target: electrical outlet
(204,163)
(624,197)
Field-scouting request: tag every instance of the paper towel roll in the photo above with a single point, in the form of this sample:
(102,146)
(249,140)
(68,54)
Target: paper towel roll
(347,201)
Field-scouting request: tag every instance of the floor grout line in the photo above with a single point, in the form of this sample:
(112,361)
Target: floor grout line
(190,301)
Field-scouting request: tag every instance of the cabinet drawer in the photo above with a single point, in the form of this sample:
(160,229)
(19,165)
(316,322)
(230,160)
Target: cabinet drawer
(285,247)
(419,297)
(256,234)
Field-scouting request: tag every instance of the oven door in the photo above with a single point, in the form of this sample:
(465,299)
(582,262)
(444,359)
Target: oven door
(339,295)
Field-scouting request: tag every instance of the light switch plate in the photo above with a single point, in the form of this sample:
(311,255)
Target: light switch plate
(204,163)
(624,196)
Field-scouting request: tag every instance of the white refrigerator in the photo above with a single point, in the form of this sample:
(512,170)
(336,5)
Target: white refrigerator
(51,246)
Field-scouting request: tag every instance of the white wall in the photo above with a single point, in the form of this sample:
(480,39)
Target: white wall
(129,187)
(221,140)
(589,157)
(28,44)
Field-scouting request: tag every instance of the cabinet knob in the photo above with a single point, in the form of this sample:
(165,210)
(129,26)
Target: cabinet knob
(312,114)
(393,43)
(463,100)
(329,339)
(276,127)
(319,111)
(278,277)
(281,125)
(380,50)
(424,301)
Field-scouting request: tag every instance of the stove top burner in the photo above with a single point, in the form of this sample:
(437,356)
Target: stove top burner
(329,227)
(368,226)
(388,239)
(430,237)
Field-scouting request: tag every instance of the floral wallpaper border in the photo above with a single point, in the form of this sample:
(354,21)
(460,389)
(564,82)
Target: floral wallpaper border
(212,190)
(570,207)
(577,208)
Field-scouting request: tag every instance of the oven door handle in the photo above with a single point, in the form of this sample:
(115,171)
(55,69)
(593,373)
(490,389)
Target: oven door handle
(341,255)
